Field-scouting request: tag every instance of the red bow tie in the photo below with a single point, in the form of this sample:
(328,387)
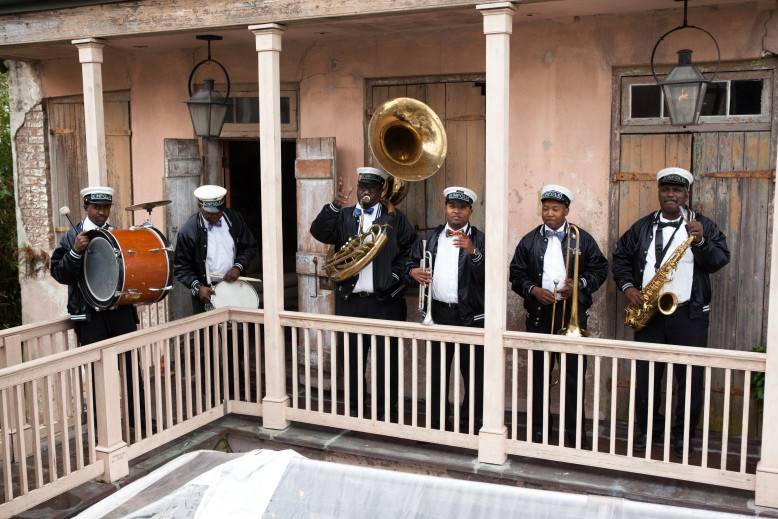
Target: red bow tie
(450,233)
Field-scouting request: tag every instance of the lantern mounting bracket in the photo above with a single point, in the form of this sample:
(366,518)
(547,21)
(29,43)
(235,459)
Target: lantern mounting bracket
(209,38)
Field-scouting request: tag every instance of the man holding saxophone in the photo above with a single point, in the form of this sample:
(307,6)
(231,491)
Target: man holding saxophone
(454,280)
(376,291)
(670,251)
(541,272)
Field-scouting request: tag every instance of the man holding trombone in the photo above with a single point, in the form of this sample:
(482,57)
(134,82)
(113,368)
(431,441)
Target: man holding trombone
(541,272)
(448,264)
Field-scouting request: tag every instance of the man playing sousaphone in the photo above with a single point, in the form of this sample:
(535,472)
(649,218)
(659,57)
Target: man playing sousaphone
(376,291)
(673,250)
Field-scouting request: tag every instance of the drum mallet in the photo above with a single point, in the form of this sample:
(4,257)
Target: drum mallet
(65,211)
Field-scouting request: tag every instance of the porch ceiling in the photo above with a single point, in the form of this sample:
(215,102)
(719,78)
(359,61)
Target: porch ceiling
(123,36)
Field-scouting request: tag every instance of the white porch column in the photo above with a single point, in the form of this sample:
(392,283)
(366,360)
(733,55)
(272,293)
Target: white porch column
(268,44)
(767,468)
(498,25)
(110,446)
(90,54)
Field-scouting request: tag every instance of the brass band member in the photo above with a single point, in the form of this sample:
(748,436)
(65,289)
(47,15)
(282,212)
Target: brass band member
(377,291)
(639,253)
(457,280)
(538,274)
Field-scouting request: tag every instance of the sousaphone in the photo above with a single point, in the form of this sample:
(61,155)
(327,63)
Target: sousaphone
(408,140)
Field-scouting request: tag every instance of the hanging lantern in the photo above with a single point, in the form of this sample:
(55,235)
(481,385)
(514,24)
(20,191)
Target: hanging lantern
(208,107)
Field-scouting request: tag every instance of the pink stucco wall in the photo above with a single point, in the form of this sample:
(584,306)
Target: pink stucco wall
(561,93)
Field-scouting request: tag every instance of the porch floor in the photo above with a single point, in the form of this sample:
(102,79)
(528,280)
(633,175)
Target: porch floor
(240,434)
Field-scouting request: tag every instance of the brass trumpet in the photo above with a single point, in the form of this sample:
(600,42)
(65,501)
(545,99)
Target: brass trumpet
(425,291)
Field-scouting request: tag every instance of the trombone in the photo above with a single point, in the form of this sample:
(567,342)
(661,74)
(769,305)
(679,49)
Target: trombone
(425,290)
(572,329)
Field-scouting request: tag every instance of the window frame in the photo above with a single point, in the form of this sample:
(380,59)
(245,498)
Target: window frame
(251,130)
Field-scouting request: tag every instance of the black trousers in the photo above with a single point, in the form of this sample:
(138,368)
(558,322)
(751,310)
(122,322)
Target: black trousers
(108,324)
(677,328)
(371,307)
(443,313)
(543,325)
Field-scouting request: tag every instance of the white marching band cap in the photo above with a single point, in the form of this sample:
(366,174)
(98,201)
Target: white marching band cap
(211,197)
(370,174)
(460,193)
(556,192)
(674,175)
(97,195)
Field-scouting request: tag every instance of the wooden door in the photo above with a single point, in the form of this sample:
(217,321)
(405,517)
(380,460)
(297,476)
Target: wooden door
(67,150)
(462,108)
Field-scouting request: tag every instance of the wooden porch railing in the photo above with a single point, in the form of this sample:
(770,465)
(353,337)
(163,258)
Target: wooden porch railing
(185,374)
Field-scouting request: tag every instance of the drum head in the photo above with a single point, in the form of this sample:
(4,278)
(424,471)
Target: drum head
(101,269)
(237,293)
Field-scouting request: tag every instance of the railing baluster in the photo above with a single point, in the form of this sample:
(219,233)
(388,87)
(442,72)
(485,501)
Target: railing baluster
(144,353)
(373,379)
(136,382)
(514,391)
(387,380)
(347,374)
(706,420)
(179,380)
(295,369)
(79,443)
(579,401)
(207,373)
(198,364)
(50,430)
(156,365)
(414,382)
(443,387)
(400,381)
(90,415)
(614,401)
(668,411)
(744,423)
(320,371)
(36,435)
(246,366)
(22,462)
(631,419)
(218,344)
(725,420)
(258,360)
(650,427)
(546,399)
(562,397)
(168,385)
(333,373)
(234,340)
(307,359)
(530,374)
(471,393)
(360,381)
(8,481)
(124,391)
(457,376)
(428,385)
(687,414)
(596,406)
(64,397)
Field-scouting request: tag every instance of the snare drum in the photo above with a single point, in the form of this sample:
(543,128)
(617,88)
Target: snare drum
(126,266)
(236,293)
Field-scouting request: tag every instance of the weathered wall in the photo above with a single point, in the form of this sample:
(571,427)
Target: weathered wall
(561,86)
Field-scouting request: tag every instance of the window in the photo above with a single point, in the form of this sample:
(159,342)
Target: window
(730,99)
(242,118)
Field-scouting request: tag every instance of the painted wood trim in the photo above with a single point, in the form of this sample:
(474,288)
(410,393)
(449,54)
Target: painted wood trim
(622,176)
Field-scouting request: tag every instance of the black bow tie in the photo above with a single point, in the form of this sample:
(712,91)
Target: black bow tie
(675,224)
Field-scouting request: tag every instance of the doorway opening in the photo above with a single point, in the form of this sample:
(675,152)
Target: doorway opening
(242,179)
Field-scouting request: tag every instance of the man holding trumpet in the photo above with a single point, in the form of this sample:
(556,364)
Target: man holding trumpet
(539,274)
(453,278)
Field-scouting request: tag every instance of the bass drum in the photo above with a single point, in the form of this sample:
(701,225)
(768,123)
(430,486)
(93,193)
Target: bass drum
(125,267)
(236,293)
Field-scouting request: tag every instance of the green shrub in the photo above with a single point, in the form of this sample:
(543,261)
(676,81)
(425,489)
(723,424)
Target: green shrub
(10,299)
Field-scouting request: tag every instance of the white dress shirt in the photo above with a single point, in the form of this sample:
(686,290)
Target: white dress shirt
(554,262)
(445,274)
(681,282)
(89,225)
(365,281)
(221,248)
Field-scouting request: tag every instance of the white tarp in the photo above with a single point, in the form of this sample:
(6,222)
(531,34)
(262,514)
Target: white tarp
(271,484)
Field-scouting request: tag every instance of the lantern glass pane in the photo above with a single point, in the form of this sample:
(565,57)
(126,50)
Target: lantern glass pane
(218,112)
(682,100)
(200,114)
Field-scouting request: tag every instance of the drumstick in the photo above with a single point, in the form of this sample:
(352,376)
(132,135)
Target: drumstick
(65,211)
(241,278)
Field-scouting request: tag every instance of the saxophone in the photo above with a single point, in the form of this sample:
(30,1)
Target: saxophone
(653,299)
